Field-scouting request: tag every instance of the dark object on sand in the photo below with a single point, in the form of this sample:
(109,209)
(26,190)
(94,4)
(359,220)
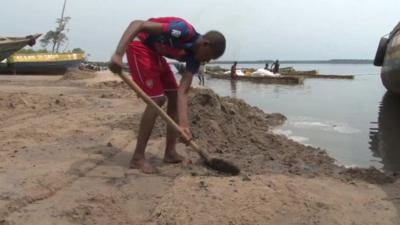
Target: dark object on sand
(390,73)
(10,45)
(213,163)
(223,166)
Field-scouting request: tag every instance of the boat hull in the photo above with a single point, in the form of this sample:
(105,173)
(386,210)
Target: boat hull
(260,79)
(8,50)
(390,74)
(41,63)
(10,45)
(56,68)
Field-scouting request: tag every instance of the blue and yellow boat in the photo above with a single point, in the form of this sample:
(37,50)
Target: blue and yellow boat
(41,63)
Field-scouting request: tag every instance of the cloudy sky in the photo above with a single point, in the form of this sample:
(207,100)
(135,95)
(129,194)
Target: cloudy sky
(256,29)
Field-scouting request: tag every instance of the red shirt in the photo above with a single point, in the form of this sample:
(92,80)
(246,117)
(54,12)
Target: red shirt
(175,42)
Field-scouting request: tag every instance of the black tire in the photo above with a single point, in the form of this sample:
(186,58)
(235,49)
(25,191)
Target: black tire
(381,51)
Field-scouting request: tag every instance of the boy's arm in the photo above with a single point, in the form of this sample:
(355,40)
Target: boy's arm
(130,33)
(183,91)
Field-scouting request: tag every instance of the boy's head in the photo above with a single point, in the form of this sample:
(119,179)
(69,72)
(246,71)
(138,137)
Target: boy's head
(210,46)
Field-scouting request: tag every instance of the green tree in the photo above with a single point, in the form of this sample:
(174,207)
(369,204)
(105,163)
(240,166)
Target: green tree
(32,51)
(58,37)
(78,50)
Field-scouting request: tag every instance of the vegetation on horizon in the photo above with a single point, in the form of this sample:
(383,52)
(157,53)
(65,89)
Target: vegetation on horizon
(57,37)
(33,51)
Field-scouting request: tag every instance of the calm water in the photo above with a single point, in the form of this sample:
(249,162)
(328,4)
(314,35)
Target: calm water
(351,119)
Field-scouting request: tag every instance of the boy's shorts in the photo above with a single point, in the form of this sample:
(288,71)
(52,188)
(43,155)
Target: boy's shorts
(149,70)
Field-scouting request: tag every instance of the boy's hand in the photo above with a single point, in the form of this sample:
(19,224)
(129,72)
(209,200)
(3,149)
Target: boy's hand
(187,133)
(115,64)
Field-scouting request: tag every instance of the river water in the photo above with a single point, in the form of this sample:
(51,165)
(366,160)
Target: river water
(353,120)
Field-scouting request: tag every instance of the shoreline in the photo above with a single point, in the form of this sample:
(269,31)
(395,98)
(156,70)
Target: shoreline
(67,144)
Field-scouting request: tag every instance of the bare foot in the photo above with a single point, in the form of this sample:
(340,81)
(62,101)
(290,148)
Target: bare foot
(173,157)
(143,165)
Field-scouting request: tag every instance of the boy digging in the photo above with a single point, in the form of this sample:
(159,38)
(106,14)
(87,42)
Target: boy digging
(146,43)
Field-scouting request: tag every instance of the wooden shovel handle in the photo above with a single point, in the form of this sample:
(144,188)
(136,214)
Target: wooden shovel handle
(160,112)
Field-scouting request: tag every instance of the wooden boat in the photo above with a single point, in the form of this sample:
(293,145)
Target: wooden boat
(41,63)
(259,79)
(290,71)
(324,76)
(388,56)
(10,45)
(286,72)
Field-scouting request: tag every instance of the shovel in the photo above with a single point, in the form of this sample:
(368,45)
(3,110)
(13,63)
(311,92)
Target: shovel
(213,163)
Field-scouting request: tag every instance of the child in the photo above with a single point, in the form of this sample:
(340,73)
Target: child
(145,43)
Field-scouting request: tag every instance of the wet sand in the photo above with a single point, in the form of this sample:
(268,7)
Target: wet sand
(66,143)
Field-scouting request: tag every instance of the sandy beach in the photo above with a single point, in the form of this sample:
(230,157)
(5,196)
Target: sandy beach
(66,142)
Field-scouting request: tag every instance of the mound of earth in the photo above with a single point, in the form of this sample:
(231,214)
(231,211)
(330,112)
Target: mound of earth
(233,130)
(77,74)
(236,131)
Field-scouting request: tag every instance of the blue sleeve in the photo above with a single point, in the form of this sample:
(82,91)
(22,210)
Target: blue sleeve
(192,65)
(179,30)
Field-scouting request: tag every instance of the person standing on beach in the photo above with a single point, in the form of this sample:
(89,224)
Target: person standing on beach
(181,69)
(266,66)
(146,43)
(276,66)
(200,75)
(233,71)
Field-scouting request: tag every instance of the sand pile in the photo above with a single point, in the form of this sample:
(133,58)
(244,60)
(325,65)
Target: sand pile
(236,131)
(231,129)
(275,199)
(77,74)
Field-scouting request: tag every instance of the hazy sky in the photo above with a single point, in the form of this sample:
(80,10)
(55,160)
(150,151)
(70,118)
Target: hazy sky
(256,29)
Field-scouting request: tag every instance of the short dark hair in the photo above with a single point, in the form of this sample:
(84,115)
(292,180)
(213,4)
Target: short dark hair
(217,41)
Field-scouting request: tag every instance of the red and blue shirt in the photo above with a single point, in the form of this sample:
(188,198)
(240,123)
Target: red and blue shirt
(175,42)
